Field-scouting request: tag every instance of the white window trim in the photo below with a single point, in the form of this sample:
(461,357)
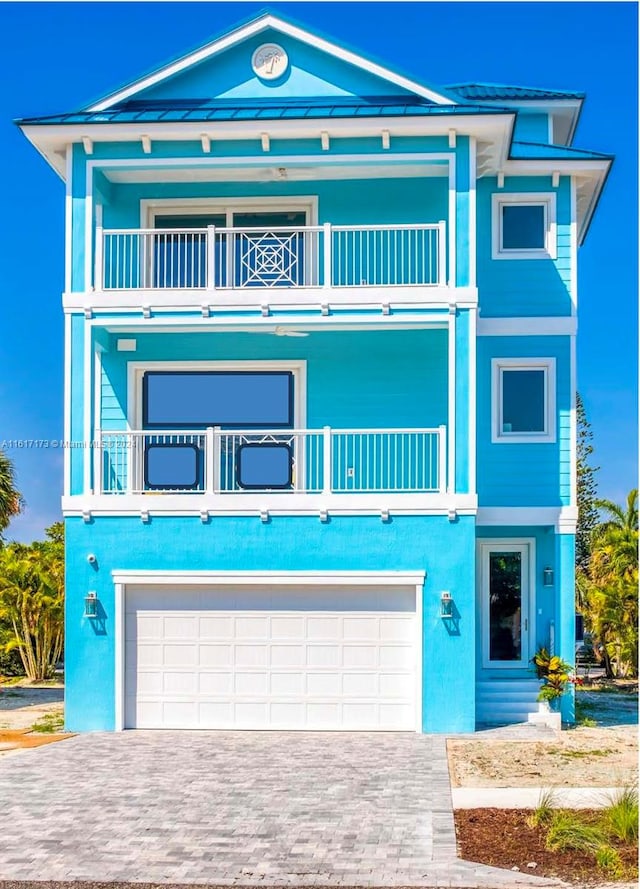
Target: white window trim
(525,199)
(526,546)
(137,369)
(150,208)
(549,434)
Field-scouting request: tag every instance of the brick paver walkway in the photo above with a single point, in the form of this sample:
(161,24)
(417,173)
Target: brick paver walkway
(236,808)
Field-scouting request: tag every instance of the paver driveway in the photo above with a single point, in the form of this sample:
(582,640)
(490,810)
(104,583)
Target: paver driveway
(241,807)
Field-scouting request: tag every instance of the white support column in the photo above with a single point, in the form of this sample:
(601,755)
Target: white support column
(68,220)
(66,451)
(209,462)
(327,254)
(442,459)
(326,460)
(452,223)
(118,643)
(451,423)
(88,230)
(86,426)
(98,273)
(473,323)
(473,233)
(442,253)
(211,257)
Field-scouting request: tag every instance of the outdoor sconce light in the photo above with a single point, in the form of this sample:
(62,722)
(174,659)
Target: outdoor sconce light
(547,577)
(91,605)
(446,605)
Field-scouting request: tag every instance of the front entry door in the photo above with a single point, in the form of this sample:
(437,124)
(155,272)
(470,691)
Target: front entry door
(505,591)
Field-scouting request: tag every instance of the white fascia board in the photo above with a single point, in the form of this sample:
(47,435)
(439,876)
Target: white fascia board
(548,165)
(50,139)
(540,326)
(297,578)
(256,27)
(562,518)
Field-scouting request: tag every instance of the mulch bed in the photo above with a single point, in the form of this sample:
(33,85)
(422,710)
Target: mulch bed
(13,739)
(502,838)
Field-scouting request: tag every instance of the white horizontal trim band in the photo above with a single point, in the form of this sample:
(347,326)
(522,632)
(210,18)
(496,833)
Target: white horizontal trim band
(541,326)
(272,578)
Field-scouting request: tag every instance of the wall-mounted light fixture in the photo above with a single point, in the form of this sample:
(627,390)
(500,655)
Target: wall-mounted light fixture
(547,576)
(446,605)
(91,604)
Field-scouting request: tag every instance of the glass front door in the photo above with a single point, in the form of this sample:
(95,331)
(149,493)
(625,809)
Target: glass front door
(505,604)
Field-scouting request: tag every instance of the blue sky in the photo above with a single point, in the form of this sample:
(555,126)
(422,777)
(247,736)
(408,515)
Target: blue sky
(60,56)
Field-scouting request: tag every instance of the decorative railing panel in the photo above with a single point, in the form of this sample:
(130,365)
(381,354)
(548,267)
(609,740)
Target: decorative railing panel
(309,461)
(232,258)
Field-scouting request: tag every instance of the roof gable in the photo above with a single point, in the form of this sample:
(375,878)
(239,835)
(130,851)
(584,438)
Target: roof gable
(222,70)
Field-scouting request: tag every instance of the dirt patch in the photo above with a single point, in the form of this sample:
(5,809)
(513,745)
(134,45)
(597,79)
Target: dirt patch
(23,739)
(502,838)
(21,707)
(584,757)
(602,753)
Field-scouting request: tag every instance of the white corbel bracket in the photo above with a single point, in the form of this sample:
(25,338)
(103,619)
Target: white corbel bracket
(88,314)
(146,144)
(385,516)
(264,516)
(452,138)
(324,140)
(145,518)
(206,143)
(88,145)
(324,309)
(146,311)
(324,515)
(206,311)
(86,516)
(204,516)
(500,180)
(266,141)
(555,179)
(452,515)
(386,139)
(386,309)
(265,311)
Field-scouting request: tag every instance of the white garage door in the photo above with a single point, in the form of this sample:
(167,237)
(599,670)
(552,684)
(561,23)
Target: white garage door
(272,658)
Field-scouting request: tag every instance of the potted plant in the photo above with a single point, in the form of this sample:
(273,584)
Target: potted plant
(555,675)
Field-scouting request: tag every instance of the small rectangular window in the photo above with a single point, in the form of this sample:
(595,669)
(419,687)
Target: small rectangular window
(523,400)
(524,226)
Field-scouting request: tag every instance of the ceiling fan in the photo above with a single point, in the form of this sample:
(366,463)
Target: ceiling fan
(280,331)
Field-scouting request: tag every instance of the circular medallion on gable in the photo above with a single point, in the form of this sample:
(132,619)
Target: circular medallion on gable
(269,61)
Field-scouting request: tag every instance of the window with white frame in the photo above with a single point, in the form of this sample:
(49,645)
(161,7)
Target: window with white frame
(523,400)
(524,226)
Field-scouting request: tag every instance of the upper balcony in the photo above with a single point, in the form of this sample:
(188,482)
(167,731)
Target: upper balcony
(222,261)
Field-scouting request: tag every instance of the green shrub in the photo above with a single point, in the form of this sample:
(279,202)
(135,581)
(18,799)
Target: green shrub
(49,724)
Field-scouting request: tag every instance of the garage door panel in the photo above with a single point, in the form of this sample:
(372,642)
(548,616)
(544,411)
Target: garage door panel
(215,655)
(316,658)
(220,683)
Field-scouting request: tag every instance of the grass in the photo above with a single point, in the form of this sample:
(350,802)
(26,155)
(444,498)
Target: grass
(609,861)
(621,816)
(49,724)
(568,831)
(543,813)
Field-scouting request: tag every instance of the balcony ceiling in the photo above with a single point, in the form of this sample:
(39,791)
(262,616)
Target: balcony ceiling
(270,172)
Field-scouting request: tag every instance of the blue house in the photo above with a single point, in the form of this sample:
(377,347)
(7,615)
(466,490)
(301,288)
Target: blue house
(320,364)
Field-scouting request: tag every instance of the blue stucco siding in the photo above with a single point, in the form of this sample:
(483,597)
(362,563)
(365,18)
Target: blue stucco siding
(445,550)
(524,287)
(354,378)
(531,127)
(311,72)
(529,474)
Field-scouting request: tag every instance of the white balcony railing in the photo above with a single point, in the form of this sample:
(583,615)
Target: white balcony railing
(233,258)
(217,461)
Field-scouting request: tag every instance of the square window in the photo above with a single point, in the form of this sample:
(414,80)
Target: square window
(264,466)
(172,467)
(523,400)
(524,226)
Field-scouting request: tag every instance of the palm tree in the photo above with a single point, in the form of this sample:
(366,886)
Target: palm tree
(11,502)
(610,588)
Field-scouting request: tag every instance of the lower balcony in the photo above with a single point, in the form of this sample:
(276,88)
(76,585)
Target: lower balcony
(290,469)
